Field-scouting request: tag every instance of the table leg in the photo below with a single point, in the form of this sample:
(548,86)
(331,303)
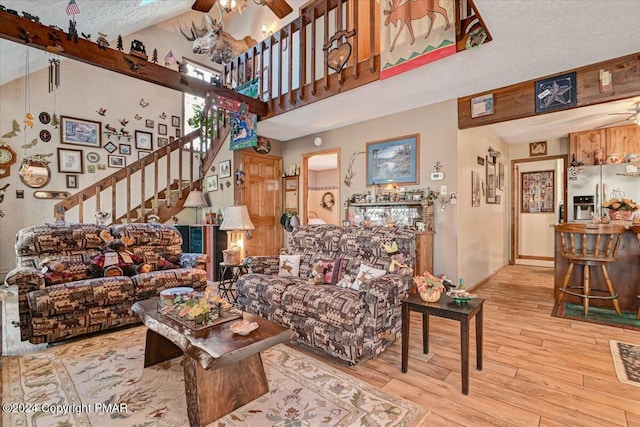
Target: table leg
(212,394)
(464,353)
(158,349)
(479,339)
(405,337)
(425,333)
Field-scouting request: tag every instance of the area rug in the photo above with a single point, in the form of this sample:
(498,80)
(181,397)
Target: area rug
(626,359)
(600,315)
(100,381)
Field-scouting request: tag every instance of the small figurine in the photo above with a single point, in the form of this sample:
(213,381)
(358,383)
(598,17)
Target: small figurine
(73,33)
(317,274)
(116,260)
(102,41)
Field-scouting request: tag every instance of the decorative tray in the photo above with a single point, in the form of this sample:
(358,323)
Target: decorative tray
(460,296)
(208,314)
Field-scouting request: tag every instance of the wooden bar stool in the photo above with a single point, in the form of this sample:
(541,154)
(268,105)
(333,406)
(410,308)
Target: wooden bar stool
(589,245)
(636,229)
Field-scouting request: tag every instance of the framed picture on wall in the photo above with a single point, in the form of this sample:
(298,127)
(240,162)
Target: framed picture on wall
(476,189)
(501,176)
(537,192)
(144,140)
(212,183)
(80,132)
(225,169)
(70,161)
(394,160)
(491,182)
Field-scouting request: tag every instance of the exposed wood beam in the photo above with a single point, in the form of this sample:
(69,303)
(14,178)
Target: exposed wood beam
(518,101)
(40,36)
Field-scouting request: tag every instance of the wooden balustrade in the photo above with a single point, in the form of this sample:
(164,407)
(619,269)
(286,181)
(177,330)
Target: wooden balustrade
(182,174)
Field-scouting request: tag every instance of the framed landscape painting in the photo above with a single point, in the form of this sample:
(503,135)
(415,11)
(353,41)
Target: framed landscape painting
(80,132)
(393,161)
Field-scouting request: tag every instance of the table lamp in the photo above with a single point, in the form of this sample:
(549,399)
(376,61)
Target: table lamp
(237,224)
(195,199)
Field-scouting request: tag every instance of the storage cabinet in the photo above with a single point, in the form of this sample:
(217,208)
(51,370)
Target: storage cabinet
(584,144)
(205,239)
(291,194)
(402,213)
(623,140)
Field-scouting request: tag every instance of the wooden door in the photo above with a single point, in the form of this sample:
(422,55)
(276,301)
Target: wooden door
(262,193)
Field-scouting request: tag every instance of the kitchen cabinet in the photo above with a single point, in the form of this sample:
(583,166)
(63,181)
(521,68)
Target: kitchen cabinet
(582,145)
(623,140)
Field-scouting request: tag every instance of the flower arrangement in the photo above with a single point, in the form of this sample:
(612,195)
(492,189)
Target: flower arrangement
(620,204)
(200,309)
(428,283)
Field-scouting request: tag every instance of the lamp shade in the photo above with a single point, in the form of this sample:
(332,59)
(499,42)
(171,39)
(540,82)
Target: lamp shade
(236,218)
(195,199)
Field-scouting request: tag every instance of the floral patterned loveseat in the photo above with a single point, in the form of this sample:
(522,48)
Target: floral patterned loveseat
(73,303)
(349,324)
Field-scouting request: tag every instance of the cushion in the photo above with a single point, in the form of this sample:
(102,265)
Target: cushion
(332,271)
(366,273)
(289,266)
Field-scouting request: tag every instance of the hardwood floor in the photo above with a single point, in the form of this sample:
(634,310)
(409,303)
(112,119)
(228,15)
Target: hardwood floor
(538,370)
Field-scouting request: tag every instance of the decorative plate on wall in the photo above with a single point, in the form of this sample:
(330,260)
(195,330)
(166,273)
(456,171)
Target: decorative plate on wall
(44,117)
(93,157)
(264,145)
(45,135)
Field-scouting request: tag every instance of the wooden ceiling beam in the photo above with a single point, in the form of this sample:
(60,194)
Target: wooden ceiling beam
(42,37)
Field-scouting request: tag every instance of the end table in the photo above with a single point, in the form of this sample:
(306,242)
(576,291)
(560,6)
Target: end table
(229,274)
(447,308)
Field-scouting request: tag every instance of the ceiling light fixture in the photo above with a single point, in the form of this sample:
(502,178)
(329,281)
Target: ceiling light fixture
(228,5)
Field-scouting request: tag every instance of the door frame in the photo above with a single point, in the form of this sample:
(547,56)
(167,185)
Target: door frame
(304,180)
(515,197)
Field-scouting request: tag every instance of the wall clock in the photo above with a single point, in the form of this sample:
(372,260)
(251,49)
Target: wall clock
(7,158)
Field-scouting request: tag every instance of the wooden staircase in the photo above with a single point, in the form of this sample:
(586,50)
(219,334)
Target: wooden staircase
(157,184)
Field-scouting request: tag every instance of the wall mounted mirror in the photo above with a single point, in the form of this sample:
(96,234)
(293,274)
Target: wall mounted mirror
(35,174)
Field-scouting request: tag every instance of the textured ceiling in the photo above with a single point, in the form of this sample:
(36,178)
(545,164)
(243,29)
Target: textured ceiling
(531,39)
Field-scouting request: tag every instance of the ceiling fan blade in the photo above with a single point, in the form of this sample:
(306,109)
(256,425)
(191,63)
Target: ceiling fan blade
(613,123)
(279,7)
(203,5)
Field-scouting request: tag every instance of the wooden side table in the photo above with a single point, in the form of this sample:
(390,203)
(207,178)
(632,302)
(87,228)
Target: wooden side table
(447,308)
(229,274)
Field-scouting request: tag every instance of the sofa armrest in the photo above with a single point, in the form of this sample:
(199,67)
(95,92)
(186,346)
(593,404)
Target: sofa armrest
(27,280)
(267,264)
(194,260)
(382,298)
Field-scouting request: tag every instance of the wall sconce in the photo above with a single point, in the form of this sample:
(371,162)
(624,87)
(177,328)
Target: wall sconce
(453,199)
(265,30)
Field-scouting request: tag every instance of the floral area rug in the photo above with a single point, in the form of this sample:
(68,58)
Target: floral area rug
(100,381)
(600,315)
(626,359)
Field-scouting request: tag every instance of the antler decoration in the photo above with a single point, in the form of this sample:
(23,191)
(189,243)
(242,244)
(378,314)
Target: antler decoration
(350,173)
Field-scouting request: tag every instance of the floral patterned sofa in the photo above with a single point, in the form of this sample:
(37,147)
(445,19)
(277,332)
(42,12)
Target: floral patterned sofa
(349,324)
(54,310)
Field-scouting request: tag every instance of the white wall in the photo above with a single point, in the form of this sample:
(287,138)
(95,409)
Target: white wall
(482,232)
(437,126)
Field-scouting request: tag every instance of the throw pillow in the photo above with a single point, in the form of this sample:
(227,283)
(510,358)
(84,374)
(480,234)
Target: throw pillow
(289,265)
(332,271)
(365,273)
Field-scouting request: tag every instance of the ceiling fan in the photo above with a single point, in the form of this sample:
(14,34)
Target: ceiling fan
(279,7)
(632,114)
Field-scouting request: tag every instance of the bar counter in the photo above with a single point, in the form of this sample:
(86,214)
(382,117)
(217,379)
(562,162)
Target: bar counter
(624,274)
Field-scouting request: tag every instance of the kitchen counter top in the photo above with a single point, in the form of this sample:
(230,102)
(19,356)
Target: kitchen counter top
(624,273)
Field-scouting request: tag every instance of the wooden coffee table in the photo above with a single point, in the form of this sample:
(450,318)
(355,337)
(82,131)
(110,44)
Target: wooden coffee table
(222,371)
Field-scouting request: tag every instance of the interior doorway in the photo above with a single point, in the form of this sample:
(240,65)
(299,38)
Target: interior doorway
(320,178)
(538,199)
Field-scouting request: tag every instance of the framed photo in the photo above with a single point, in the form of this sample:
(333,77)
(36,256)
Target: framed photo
(178,133)
(225,169)
(480,160)
(101,167)
(482,106)
(538,148)
(149,123)
(72,181)
(175,121)
(476,189)
(491,182)
(70,161)
(144,140)
(500,176)
(538,192)
(212,183)
(110,147)
(162,141)
(162,129)
(393,161)
(556,93)
(171,139)
(117,161)
(143,154)
(93,157)
(80,132)
(125,149)
(91,168)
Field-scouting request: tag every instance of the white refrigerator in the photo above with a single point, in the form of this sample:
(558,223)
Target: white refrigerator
(597,183)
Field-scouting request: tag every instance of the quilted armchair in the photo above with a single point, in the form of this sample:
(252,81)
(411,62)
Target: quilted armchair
(349,324)
(72,303)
